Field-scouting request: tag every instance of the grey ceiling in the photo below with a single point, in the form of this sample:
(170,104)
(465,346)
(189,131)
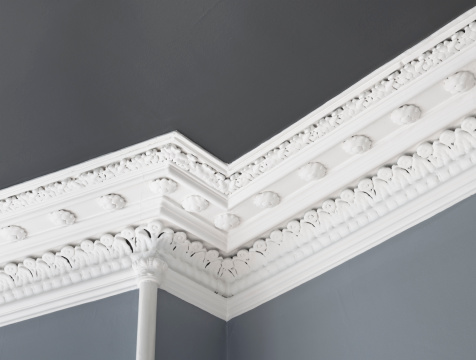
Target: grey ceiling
(79,79)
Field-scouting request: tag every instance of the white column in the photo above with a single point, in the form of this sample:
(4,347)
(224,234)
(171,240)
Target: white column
(150,272)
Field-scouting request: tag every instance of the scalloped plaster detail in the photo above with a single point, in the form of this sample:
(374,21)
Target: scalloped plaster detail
(13,233)
(374,197)
(194,203)
(163,186)
(62,217)
(150,268)
(111,202)
(460,82)
(405,114)
(171,154)
(266,199)
(312,171)
(226,222)
(357,144)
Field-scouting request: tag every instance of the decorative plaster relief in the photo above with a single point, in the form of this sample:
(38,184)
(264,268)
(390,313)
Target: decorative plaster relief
(405,114)
(73,264)
(375,196)
(460,82)
(312,171)
(195,203)
(267,199)
(62,217)
(357,144)
(227,222)
(12,233)
(150,268)
(163,186)
(173,155)
(112,202)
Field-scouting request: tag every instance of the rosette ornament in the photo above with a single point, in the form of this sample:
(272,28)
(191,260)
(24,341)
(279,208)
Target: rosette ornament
(312,171)
(112,202)
(266,199)
(460,82)
(12,233)
(195,203)
(227,221)
(62,217)
(163,186)
(406,114)
(357,144)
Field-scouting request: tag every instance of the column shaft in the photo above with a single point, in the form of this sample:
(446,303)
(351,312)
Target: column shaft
(147,320)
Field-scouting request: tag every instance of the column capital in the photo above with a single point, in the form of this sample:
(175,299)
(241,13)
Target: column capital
(150,268)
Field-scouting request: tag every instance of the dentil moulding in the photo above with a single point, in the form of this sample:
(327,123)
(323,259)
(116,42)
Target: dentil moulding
(460,82)
(12,233)
(112,202)
(406,114)
(357,144)
(62,217)
(312,171)
(195,203)
(267,199)
(227,222)
(163,186)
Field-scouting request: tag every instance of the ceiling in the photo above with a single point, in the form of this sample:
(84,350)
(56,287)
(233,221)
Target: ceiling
(79,79)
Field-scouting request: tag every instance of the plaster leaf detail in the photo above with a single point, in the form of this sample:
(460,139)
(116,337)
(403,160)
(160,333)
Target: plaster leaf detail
(375,196)
(62,217)
(357,144)
(13,233)
(312,171)
(111,202)
(227,221)
(150,268)
(266,199)
(163,186)
(87,260)
(170,154)
(460,82)
(195,203)
(405,114)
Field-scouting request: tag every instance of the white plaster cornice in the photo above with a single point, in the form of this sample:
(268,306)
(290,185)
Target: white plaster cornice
(395,149)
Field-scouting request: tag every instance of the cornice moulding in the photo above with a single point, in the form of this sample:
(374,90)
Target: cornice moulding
(321,192)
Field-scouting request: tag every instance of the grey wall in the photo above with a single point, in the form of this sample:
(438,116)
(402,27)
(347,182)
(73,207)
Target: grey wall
(81,78)
(412,297)
(184,332)
(106,329)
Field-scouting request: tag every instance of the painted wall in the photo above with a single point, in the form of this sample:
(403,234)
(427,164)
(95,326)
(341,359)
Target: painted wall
(412,297)
(106,329)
